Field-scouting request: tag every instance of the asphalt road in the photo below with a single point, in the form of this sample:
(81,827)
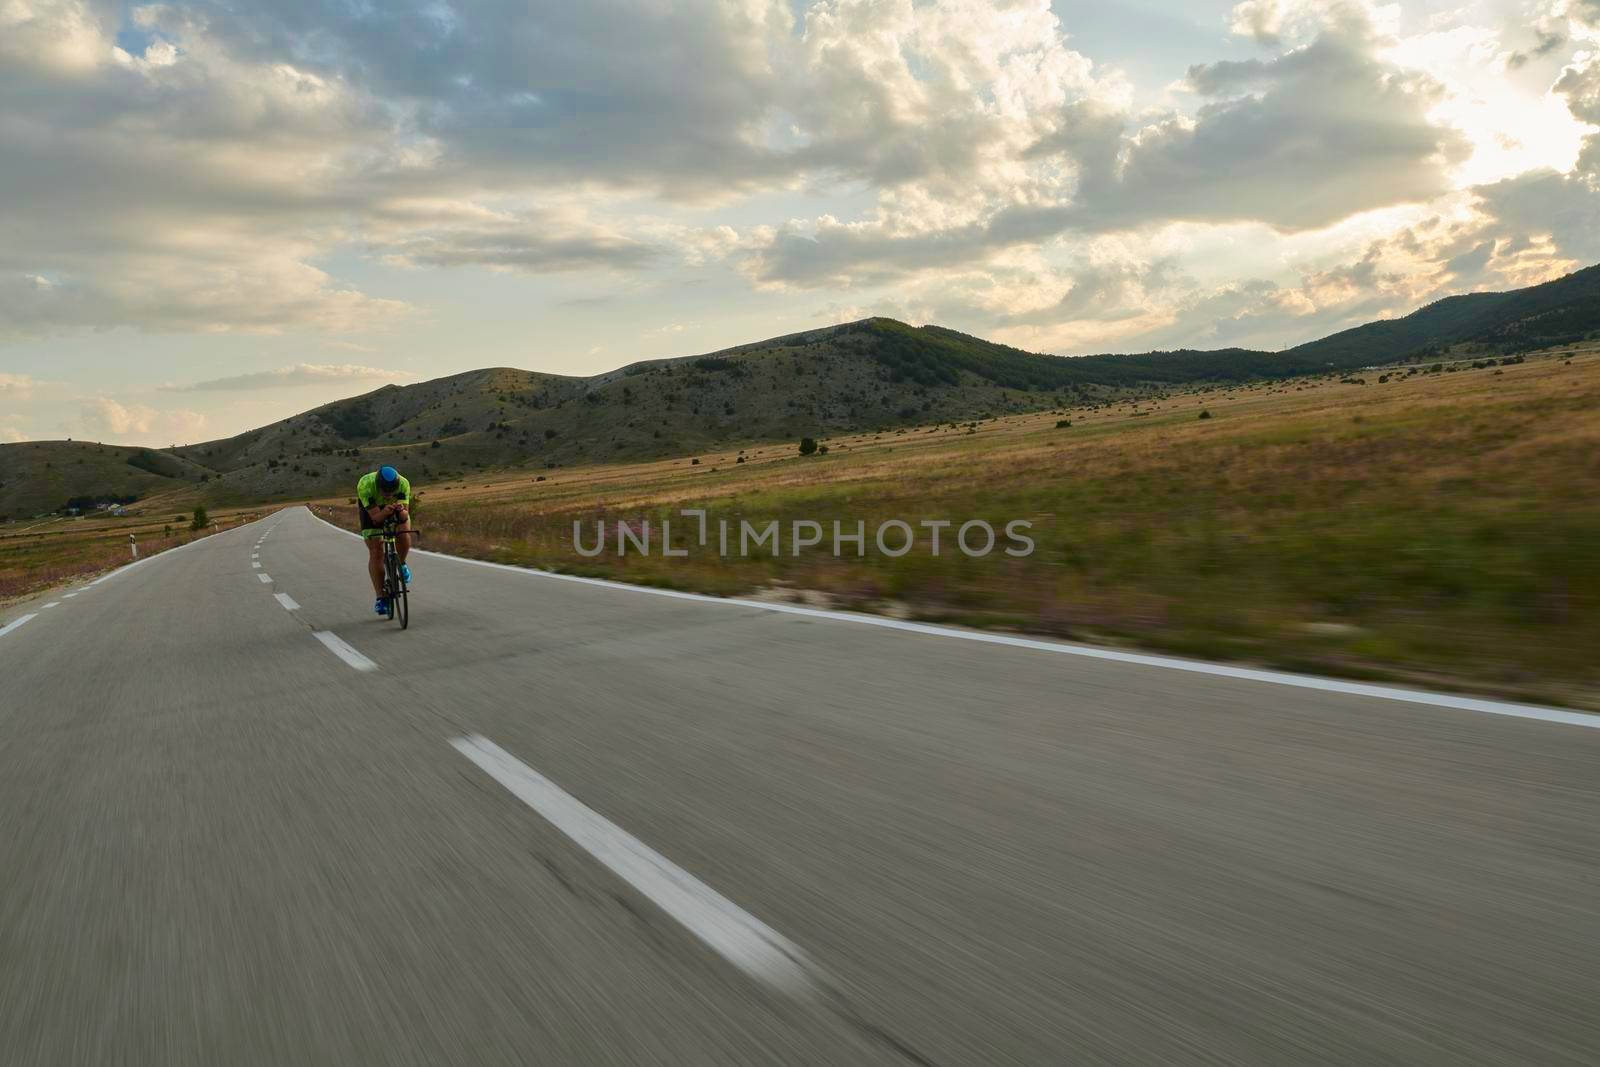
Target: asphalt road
(566,823)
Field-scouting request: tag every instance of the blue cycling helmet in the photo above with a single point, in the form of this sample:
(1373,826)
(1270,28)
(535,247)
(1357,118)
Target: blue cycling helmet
(388,479)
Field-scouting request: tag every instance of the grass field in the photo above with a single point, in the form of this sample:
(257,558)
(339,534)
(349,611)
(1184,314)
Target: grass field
(37,555)
(1439,528)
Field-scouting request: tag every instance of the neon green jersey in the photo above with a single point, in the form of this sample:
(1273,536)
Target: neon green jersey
(368,494)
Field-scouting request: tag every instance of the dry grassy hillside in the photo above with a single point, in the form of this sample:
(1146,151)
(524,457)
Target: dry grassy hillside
(815,384)
(1433,526)
(37,477)
(876,375)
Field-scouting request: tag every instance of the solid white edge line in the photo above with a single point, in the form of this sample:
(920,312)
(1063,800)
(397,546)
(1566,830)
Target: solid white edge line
(287,601)
(126,567)
(266,579)
(729,930)
(344,651)
(1299,681)
(16,623)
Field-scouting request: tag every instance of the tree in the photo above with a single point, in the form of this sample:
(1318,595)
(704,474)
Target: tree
(807,446)
(200,521)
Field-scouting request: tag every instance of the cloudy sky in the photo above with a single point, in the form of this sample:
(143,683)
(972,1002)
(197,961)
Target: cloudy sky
(216,214)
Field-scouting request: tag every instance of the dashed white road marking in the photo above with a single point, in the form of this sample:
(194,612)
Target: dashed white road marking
(265,578)
(733,933)
(255,565)
(344,651)
(15,623)
(287,601)
(68,596)
(52,604)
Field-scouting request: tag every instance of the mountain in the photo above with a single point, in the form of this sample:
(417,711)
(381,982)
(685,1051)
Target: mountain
(1521,320)
(42,476)
(867,375)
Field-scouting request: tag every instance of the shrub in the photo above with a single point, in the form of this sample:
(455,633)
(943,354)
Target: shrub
(1204,414)
(434,445)
(1062,424)
(549,434)
(807,446)
(822,450)
(200,520)
(694,463)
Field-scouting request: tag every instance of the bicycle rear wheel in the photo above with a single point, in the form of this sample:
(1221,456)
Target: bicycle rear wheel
(401,603)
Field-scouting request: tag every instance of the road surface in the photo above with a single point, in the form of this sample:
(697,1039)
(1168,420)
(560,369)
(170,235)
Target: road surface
(558,822)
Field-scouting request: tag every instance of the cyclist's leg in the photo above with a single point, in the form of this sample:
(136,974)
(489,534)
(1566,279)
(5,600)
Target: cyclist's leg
(375,564)
(402,541)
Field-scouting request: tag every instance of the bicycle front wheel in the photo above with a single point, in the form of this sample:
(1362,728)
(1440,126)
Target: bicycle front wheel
(391,579)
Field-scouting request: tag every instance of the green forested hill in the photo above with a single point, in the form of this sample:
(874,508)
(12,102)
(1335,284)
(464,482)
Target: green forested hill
(1557,312)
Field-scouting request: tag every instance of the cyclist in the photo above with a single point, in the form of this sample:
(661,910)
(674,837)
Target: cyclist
(382,495)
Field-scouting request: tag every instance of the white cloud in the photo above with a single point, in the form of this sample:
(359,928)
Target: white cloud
(204,169)
(1322,132)
(423,233)
(1301,141)
(56,38)
(16,387)
(1258,19)
(112,417)
(105,418)
(300,374)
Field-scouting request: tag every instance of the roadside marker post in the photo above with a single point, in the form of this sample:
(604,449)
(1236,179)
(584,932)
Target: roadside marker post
(133,546)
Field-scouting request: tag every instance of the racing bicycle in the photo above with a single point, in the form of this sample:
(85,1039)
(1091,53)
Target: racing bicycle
(394,586)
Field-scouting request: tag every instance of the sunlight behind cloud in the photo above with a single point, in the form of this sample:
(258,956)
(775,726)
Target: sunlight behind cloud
(1512,129)
(537,183)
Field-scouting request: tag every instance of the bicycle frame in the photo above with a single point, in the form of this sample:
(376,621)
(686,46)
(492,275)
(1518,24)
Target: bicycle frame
(394,585)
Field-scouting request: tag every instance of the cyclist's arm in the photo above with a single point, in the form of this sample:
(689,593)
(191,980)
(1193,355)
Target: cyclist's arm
(402,506)
(366,498)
